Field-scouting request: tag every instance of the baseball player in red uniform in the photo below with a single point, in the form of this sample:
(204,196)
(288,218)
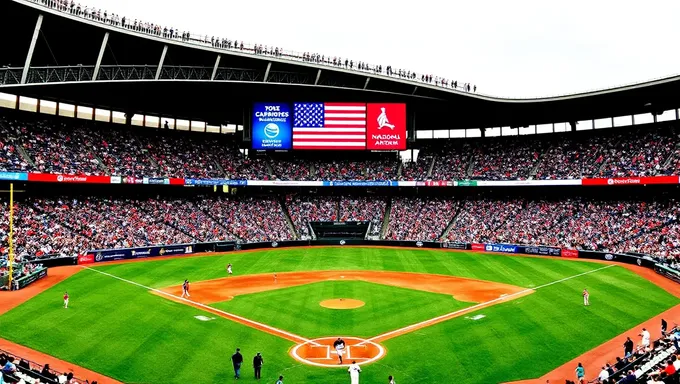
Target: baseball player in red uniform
(65,299)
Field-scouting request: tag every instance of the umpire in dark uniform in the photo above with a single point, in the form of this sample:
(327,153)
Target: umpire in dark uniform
(257,364)
(237,360)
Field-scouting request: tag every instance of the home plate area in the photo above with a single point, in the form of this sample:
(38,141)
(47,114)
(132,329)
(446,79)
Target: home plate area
(321,353)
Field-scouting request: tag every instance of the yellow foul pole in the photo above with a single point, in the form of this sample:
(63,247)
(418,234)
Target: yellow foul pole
(11,234)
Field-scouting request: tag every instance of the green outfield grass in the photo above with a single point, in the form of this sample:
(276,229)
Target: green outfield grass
(297,309)
(122,330)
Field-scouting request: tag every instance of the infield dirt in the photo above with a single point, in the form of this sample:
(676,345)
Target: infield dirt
(469,290)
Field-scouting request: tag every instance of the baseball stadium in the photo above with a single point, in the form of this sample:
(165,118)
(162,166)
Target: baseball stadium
(318,223)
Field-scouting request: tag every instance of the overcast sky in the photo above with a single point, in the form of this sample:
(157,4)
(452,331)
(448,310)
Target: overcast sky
(519,48)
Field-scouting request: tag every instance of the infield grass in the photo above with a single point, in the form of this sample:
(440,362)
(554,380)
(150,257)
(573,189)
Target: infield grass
(125,332)
(297,309)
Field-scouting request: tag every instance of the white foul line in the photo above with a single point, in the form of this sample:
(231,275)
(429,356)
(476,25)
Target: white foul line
(479,305)
(209,308)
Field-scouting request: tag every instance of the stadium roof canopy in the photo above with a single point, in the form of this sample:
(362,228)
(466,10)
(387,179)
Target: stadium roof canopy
(193,83)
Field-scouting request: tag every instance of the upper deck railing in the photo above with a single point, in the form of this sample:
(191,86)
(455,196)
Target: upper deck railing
(234,45)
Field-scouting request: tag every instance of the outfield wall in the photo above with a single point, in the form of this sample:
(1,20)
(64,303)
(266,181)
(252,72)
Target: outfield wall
(104,255)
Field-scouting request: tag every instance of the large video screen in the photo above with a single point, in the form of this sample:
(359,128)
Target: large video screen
(271,126)
(330,126)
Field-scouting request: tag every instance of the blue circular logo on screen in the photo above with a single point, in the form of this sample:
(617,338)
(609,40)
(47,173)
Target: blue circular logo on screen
(271,130)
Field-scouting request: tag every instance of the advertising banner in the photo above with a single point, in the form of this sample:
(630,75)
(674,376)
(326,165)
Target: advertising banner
(272,183)
(140,253)
(17,176)
(454,245)
(86,259)
(211,182)
(386,126)
(466,183)
(570,253)
(477,247)
(525,183)
(541,250)
(156,180)
(505,248)
(360,183)
(47,177)
(632,180)
(133,180)
(271,126)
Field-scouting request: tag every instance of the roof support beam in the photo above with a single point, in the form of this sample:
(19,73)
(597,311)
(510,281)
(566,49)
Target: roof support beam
(366,83)
(266,73)
(217,64)
(318,75)
(29,56)
(101,55)
(160,63)
(414,90)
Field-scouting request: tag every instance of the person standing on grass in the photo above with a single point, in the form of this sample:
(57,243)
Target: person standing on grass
(280,380)
(586,297)
(580,374)
(390,380)
(354,371)
(237,360)
(65,299)
(257,365)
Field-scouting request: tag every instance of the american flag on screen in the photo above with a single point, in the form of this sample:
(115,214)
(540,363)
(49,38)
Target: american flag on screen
(329,126)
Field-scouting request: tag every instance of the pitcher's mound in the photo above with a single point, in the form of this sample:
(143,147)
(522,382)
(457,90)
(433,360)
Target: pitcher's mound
(342,303)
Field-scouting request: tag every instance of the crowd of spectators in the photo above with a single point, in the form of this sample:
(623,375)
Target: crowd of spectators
(370,209)
(15,369)
(419,218)
(170,32)
(568,158)
(250,219)
(652,361)
(642,154)
(304,209)
(71,226)
(51,145)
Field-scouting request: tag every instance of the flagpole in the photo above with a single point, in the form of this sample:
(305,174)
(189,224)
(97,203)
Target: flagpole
(11,234)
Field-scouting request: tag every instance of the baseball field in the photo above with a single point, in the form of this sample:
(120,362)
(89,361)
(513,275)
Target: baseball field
(424,316)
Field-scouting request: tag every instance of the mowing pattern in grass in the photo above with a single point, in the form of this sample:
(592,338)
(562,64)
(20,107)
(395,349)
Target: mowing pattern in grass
(297,309)
(124,331)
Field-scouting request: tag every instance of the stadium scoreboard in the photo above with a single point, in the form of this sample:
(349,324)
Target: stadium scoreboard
(329,126)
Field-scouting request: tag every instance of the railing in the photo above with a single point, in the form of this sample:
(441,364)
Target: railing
(40,75)
(114,20)
(34,367)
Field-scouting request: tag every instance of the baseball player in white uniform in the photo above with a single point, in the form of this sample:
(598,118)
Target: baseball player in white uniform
(354,370)
(229,268)
(586,297)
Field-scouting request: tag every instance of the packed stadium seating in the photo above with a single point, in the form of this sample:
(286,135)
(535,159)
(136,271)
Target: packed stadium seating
(68,226)
(67,146)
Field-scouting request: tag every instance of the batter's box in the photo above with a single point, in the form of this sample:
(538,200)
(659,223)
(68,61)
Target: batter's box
(319,352)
